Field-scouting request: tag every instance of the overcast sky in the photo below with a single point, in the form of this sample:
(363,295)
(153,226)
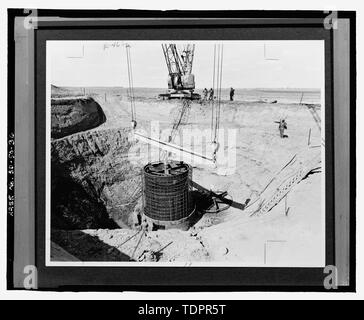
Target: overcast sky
(282,64)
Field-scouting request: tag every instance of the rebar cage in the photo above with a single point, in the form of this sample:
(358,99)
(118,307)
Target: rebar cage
(166,191)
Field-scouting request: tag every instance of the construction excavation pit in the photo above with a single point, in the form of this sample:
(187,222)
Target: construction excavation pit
(125,193)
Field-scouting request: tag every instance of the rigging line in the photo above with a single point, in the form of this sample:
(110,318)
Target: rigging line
(132,86)
(215,86)
(220,83)
(137,245)
(212,102)
(129,88)
(128,239)
(127,61)
(164,247)
(217,91)
(220,80)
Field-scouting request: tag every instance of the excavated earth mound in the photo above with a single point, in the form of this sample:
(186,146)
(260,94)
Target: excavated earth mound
(71,115)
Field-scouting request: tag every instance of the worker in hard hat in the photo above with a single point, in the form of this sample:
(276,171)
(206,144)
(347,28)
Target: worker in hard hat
(282,125)
(211,94)
(205,94)
(232,92)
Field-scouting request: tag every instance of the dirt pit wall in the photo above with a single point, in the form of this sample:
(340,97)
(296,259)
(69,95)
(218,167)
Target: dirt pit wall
(96,181)
(72,115)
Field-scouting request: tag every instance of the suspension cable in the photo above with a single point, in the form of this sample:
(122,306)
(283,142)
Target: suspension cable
(212,102)
(220,86)
(130,89)
(217,92)
(217,80)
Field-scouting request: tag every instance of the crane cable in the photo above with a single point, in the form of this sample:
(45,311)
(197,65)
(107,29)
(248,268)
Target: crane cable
(212,102)
(219,91)
(216,87)
(130,89)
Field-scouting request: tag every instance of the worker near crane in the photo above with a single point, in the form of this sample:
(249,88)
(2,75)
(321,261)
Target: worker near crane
(232,92)
(211,94)
(282,125)
(205,94)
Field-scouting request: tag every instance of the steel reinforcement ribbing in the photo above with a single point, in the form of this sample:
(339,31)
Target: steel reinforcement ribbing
(167,195)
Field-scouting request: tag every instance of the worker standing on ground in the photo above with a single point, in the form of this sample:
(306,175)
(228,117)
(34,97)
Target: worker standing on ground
(211,96)
(282,125)
(205,94)
(232,91)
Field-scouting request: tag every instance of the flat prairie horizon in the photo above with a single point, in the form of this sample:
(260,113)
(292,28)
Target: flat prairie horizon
(278,95)
(198,88)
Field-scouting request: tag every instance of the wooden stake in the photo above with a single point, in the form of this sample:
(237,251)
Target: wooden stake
(301,98)
(309,137)
(286,208)
(137,245)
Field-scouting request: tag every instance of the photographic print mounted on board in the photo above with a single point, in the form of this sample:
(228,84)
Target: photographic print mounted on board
(185,153)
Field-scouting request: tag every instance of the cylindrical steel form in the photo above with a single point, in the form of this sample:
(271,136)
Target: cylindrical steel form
(167,196)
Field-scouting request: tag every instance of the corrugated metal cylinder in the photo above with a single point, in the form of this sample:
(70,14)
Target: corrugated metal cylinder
(167,191)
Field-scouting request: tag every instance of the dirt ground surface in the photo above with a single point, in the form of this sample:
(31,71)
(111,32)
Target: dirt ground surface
(291,234)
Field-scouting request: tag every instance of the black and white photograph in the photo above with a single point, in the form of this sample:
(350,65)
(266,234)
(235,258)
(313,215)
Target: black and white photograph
(185,153)
(181,156)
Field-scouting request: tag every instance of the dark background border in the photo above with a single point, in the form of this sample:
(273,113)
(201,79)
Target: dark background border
(304,26)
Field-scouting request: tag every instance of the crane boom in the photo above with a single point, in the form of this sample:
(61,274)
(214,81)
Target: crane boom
(172,58)
(179,61)
(187,58)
